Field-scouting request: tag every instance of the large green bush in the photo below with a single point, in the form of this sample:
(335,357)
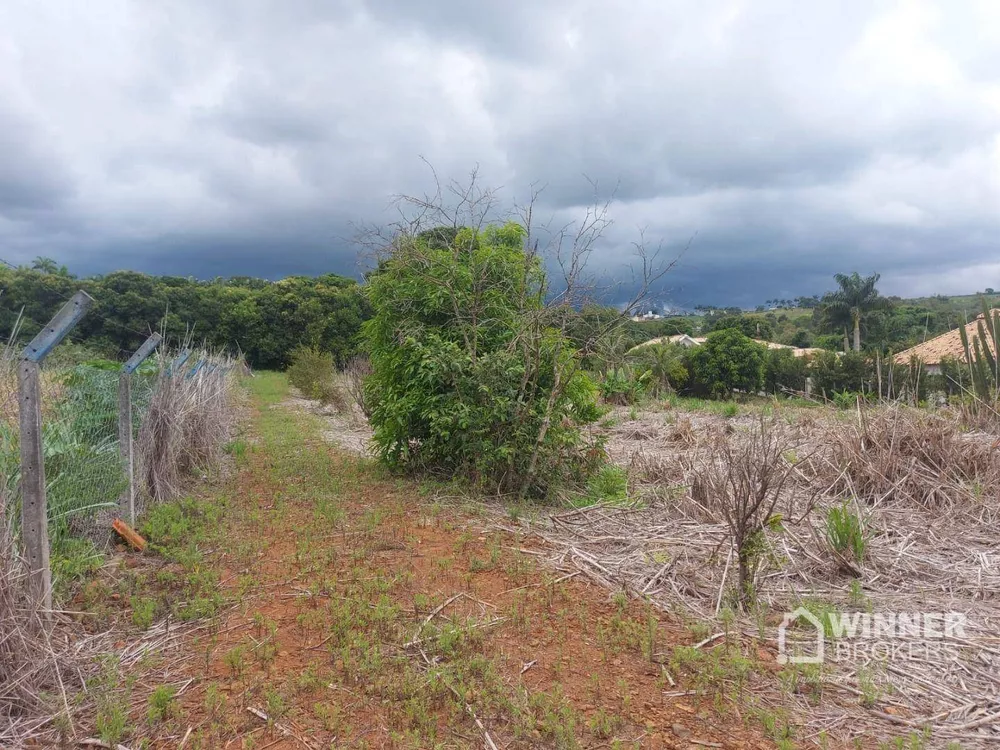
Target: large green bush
(311,371)
(784,371)
(467,376)
(837,373)
(750,326)
(728,361)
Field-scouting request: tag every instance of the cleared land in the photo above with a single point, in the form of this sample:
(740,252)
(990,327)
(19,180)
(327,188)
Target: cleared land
(923,487)
(342,608)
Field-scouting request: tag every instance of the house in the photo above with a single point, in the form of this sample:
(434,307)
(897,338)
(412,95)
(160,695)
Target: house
(646,316)
(946,345)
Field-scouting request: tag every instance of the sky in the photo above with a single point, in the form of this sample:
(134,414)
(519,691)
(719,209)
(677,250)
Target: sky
(780,141)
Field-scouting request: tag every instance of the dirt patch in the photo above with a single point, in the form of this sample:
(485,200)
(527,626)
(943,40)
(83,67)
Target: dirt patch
(348,431)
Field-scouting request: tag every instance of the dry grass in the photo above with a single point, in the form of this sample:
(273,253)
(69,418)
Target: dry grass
(190,420)
(928,493)
(35,665)
(897,455)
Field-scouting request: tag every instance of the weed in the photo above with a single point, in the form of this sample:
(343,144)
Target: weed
(112,720)
(162,704)
(235,660)
(608,485)
(845,531)
(143,610)
(604,725)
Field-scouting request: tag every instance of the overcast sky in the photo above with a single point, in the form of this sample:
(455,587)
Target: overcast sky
(235,137)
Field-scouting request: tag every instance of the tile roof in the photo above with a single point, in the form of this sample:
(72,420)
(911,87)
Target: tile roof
(946,345)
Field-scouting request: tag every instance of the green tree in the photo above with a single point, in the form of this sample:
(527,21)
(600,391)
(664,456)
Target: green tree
(856,297)
(468,376)
(751,326)
(728,361)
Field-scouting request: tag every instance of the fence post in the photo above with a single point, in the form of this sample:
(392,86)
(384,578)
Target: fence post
(179,361)
(194,370)
(34,508)
(126,503)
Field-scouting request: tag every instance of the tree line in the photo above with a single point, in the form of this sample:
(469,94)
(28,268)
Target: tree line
(264,320)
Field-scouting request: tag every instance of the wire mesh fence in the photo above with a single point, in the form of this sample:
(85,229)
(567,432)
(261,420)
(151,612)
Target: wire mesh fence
(100,441)
(177,420)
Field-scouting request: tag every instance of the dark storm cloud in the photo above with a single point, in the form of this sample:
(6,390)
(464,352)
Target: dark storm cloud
(231,138)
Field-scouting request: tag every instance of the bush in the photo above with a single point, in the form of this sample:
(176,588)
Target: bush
(466,377)
(955,378)
(608,485)
(311,371)
(665,363)
(356,371)
(833,373)
(832,342)
(728,361)
(784,371)
(622,386)
(751,327)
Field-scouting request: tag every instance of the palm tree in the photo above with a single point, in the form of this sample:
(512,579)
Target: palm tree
(45,265)
(856,298)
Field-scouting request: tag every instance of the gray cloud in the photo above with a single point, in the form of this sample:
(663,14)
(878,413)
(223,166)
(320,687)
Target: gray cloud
(246,137)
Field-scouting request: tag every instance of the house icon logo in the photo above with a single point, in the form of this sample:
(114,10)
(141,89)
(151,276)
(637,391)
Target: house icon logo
(807,618)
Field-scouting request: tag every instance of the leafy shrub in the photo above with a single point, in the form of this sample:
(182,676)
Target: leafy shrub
(801,339)
(845,531)
(833,373)
(665,363)
(310,371)
(356,371)
(832,342)
(784,371)
(955,377)
(622,386)
(728,361)
(466,377)
(845,400)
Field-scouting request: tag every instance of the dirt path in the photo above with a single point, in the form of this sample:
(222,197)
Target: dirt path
(367,615)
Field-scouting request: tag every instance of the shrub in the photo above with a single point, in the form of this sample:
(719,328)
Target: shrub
(622,386)
(955,377)
(728,361)
(665,363)
(833,373)
(751,327)
(744,479)
(311,371)
(356,371)
(784,371)
(608,485)
(467,376)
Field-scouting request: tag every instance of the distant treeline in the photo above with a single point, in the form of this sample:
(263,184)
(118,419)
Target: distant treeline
(265,320)
(268,320)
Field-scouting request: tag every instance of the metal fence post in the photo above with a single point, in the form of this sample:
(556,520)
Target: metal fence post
(126,502)
(34,507)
